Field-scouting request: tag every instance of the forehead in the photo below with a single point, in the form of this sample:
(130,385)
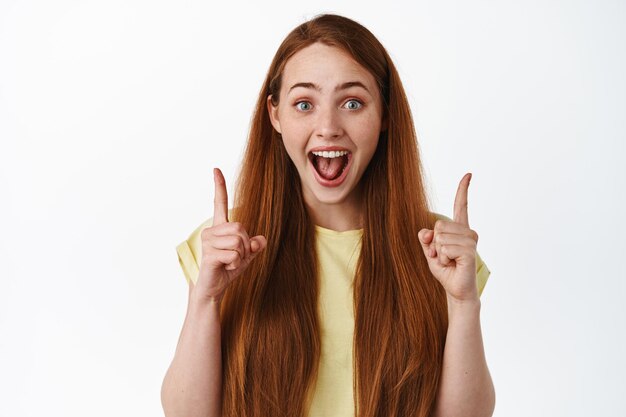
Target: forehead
(326,66)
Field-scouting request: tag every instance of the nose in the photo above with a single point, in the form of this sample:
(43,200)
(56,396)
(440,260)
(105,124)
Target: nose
(328,123)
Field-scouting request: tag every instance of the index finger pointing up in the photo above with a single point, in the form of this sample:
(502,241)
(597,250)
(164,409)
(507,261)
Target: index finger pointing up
(460,201)
(220,212)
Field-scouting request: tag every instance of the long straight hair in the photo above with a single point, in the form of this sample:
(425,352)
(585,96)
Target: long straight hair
(270,323)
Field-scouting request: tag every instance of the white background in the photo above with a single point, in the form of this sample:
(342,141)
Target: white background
(113,114)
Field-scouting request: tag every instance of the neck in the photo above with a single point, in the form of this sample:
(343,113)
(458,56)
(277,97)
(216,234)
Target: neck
(330,221)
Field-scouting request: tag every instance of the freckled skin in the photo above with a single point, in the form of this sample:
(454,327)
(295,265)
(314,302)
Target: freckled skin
(308,118)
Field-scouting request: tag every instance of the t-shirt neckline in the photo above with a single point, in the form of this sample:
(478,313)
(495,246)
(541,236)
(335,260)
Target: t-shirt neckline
(330,232)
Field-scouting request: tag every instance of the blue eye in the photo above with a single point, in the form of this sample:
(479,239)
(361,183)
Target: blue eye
(307,105)
(354,104)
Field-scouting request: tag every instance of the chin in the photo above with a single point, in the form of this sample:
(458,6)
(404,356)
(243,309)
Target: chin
(330,196)
(330,200)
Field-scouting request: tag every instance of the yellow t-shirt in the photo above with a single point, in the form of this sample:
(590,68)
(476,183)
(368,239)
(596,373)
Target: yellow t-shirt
(338,253)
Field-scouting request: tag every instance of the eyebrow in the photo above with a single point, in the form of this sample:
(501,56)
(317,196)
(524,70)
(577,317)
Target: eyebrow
(343,86)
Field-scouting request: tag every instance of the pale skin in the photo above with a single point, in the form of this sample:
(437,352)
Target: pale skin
(192,384)
(466,388)
(328,99)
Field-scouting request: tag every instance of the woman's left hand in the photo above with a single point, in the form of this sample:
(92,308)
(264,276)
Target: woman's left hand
(451,250)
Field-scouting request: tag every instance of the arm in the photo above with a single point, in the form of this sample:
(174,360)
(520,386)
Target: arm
(193,383)
(465,388)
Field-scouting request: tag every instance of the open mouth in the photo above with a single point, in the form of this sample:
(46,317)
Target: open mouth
(330,165)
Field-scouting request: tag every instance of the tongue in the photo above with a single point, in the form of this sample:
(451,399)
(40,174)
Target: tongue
(328,168)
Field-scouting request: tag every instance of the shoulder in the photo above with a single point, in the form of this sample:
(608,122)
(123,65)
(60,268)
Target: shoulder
(439,216)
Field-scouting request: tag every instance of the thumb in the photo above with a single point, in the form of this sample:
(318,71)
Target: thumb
(426,236)
(257,243)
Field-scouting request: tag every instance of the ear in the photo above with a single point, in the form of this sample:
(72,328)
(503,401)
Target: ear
(273,113)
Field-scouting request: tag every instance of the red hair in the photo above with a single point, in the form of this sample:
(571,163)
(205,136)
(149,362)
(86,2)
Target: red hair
(270,325)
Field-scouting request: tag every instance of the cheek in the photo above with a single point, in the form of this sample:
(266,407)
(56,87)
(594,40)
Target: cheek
(289,148)
(293,146)
(294,136)
(368,136)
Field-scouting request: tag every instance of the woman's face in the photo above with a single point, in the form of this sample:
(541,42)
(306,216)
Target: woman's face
(329,116)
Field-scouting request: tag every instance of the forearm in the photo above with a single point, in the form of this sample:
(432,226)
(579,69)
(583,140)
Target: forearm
(465,387)
(193,383)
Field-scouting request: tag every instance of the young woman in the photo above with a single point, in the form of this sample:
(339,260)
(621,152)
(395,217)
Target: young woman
(330,289)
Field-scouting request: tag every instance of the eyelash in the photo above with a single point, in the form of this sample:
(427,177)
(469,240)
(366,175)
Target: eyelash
(352,99)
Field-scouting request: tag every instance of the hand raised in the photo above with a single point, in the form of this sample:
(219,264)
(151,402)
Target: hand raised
(227,250)
(450,249)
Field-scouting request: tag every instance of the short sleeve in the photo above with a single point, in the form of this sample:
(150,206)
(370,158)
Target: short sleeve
(190,252)
(482,272)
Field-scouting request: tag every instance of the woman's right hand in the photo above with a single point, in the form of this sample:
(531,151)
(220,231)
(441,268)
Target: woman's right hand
(227,250)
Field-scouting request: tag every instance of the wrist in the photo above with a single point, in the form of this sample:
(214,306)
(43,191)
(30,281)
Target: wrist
(201,301)
(465,308)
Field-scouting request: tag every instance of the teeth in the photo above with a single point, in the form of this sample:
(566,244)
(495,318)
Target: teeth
(331,154)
